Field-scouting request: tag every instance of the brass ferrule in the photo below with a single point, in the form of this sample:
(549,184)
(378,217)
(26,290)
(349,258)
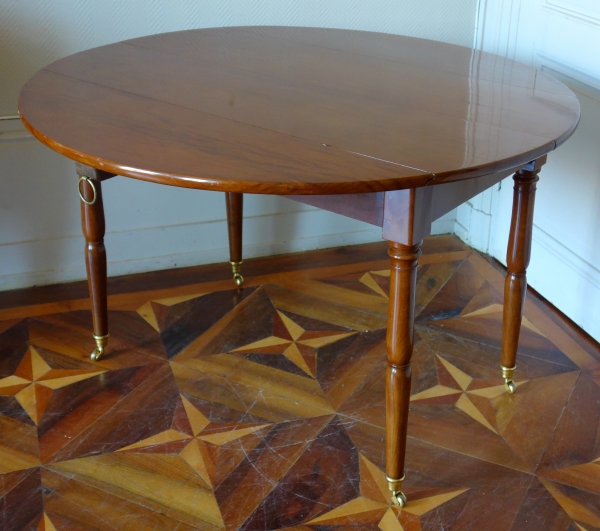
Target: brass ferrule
(394,485)
(101,341)
(236,267)
(508,372)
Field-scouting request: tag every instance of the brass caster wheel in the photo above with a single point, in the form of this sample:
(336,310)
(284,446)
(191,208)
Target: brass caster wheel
(507,374)
(398,498)
(236,268)
(511,387)
(101,342)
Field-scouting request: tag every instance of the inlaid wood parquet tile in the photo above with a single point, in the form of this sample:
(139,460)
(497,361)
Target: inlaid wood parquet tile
(264,408)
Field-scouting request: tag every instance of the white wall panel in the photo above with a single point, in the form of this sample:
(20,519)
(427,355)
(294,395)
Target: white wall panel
(36,32)
(150,226)
(565,259)
(561,37)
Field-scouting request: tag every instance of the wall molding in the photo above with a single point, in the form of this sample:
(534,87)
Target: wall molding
(579,296)
(576,79)
(497,25)
(567,256)
(12,129)
(569,9)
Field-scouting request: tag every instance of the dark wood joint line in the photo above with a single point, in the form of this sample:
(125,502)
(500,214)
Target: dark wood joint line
(93,173)
(397,367)
(518,275)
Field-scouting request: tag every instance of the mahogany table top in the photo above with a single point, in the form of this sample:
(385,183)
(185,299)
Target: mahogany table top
(286,110)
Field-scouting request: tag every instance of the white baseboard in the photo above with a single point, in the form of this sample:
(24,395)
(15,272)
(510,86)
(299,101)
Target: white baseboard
(572,285)
(565,279)
(42,262)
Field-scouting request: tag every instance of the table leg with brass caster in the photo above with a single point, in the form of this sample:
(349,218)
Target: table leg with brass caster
(517,260)
(399,343)
(101,343)
(507,374)
(235,212)
(236,267)
(92,223)
(395,486)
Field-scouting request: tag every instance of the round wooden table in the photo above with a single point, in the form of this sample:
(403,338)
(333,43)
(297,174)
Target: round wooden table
(407,129)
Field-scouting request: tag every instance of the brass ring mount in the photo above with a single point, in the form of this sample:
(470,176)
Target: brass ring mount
(91,183)
(507,374)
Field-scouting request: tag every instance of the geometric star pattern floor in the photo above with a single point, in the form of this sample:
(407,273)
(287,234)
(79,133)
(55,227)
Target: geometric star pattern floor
(263,408)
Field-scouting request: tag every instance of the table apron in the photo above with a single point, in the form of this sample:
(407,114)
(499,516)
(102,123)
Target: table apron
(433,203)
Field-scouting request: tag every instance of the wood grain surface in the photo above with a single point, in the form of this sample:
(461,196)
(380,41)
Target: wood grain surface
(264,409)
(296,110)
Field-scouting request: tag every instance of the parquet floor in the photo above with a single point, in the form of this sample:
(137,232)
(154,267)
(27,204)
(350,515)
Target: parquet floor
(261,409)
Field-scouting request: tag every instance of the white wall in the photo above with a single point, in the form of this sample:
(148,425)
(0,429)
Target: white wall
(151,227)
(561,37)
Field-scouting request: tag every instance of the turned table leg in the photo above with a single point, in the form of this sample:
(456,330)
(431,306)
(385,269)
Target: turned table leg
(92,223)
(517,260)
(235,209)
(399,342)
